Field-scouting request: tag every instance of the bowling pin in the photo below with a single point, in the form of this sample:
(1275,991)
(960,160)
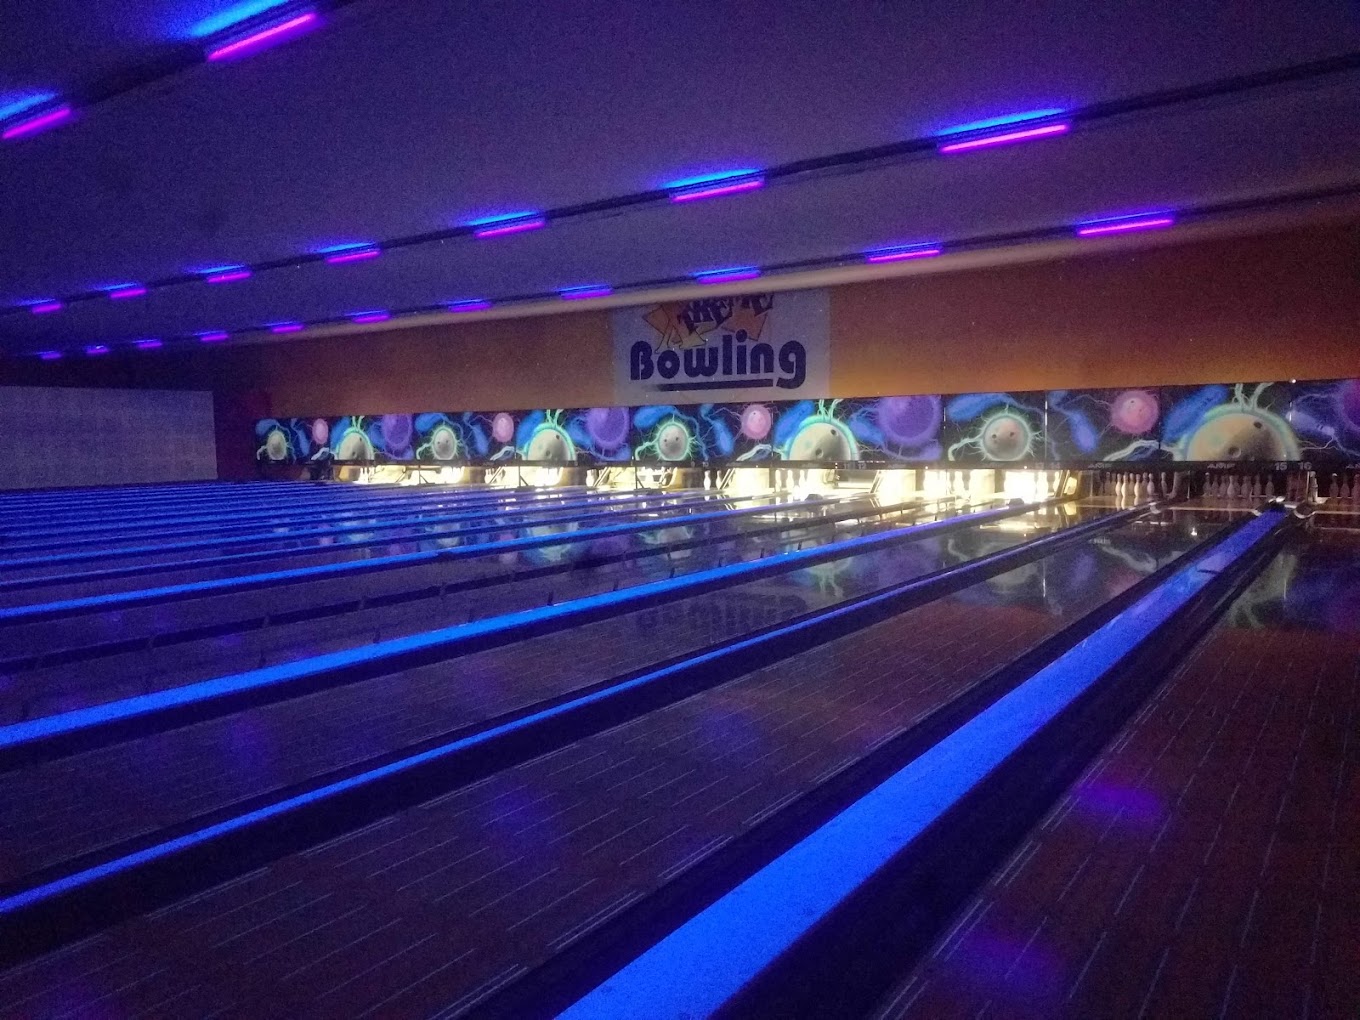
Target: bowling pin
(1149,488)
(1311,492)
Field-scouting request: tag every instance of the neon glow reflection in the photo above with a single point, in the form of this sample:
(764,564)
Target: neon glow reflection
(266,37)
(38,123)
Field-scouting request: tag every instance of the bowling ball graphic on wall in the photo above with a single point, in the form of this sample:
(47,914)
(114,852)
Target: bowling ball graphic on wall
(607,427)
(672,441)
(351,441)
(548,440)
(1005,436)
(276,445)
(823,438)
(443,443)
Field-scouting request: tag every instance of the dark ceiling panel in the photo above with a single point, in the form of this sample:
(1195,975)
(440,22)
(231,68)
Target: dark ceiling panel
(403,117)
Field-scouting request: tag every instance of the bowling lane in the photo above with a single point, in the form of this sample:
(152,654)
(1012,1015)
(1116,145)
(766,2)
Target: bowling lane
(456,521)
(501,874)
(99,656)
(1205,863)
(50,812)
(36,579)
(278,517)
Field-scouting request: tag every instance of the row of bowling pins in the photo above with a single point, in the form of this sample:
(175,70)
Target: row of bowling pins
(1344,489)
(1258,487)
(1126,486)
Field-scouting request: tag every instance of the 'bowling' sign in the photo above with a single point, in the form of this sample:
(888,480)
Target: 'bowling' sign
(739,347)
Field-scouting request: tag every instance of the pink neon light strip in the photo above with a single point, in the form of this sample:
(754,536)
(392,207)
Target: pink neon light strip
(586,292)
(148,345)
(265,38)
(1006,138)
(516,227)
(371,317)
(900,254)
(46,307)
(469,306)
(719,188)
(123,293)
(96,350)
(34,125)
(357,255)
(212,338)
(228,275)
(287,327)
(733,276)
(1123,226)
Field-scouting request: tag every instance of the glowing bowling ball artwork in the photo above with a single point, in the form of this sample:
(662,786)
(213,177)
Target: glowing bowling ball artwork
(756,422)
(672,441)
(354,445)
(822,438)
(276,445)
(1005,436)
(1135,412)
(550,443)
(1235,432)
(607,427)
(502,427)
(909,421)
(321,431)
(443,443)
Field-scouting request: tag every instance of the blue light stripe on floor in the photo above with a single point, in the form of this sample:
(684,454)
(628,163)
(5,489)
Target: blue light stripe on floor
(708,960)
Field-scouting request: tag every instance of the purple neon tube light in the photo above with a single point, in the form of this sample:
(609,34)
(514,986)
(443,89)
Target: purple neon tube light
(148,345)
(717,188)
(46,307)
(353,255)
(287,327)
(471,305)
(50,355)
(1006,138)
(371,317)
(1125,225)
(266,37)
(213,337)
(228,275)
(728,275)
(579,293)
(96,349)
(123,293)
(902,254)
(40,122)
(510,227)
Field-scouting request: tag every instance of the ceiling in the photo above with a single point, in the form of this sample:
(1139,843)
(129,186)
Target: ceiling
(399,118)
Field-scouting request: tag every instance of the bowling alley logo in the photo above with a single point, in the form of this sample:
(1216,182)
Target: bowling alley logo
(713,344)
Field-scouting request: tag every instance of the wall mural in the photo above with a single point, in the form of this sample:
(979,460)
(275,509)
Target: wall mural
(1217,423)
(994,428)
(1092,426)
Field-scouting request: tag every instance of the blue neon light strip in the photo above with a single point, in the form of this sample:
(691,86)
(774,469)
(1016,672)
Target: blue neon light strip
(700,966)
(14,104)
(1003,121)
(482,738)
(232,16)
(248,582)
(446,640)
